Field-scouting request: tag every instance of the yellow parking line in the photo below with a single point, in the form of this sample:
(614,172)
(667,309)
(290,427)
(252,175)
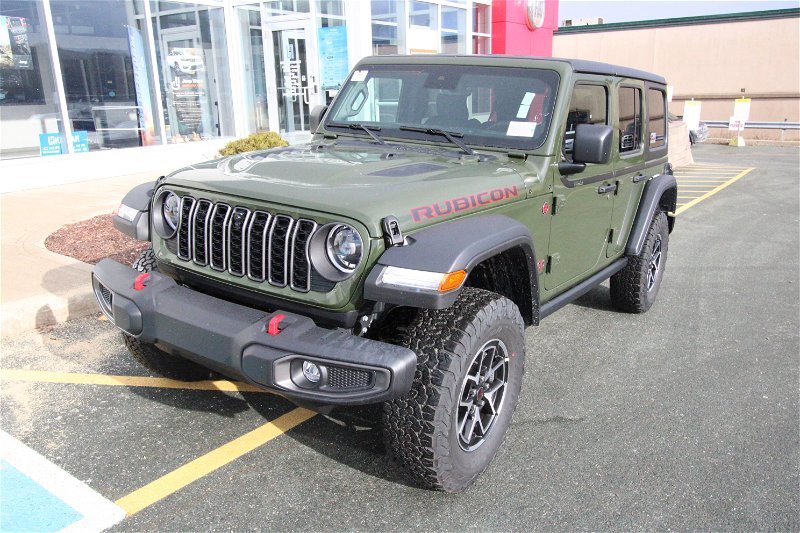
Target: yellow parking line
(42,376)
(714,191)
(204,465)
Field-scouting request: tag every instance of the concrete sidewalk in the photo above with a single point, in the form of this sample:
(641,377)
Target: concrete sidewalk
(39,195)
(39,287)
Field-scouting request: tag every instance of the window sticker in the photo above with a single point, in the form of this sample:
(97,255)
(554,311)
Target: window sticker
(359,75)
(521,129)
(525,105)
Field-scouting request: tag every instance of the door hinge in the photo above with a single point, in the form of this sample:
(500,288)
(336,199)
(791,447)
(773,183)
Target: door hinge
(611,235)
(552,261)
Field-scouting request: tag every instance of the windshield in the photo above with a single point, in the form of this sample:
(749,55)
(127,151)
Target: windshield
(487,106)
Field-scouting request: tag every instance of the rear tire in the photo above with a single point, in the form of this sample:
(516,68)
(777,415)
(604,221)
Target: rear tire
(635,287)
(153,358)
(448,428)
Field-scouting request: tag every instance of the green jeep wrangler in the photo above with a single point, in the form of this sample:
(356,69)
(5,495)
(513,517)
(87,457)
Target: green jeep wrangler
(443,205)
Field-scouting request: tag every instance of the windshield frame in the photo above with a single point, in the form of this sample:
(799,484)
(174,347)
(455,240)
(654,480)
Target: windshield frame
(471,137)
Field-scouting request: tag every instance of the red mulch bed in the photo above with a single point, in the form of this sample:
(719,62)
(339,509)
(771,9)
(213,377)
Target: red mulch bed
(95,239)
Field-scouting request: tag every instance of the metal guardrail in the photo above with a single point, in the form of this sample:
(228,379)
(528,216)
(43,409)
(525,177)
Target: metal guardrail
(756,125)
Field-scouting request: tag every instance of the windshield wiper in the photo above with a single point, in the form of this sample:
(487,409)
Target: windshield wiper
(449,135)
(358,126)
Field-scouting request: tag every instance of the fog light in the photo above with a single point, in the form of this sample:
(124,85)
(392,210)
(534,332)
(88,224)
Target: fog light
(311,371)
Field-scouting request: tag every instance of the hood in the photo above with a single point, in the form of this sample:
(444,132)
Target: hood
(365,182)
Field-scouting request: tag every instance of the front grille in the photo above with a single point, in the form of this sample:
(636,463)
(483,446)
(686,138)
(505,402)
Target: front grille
(348,378)
(260,245)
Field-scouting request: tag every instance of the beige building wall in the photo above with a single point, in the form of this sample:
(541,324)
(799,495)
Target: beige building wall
(714,63)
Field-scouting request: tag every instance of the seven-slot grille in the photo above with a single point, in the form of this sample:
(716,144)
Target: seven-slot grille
(262,246)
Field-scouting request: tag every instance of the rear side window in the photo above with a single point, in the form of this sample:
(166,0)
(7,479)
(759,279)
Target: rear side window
(589,105)
(657,118)
(630,119)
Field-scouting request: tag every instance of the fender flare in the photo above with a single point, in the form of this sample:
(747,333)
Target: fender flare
(660,191)
(133,216)
(450,246)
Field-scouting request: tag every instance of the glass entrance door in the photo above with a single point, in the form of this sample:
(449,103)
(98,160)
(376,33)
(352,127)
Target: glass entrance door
(293,66)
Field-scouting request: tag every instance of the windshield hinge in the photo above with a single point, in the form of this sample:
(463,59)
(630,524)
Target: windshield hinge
(517,155)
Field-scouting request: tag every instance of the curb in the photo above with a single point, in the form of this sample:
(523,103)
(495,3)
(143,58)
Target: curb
(41,311)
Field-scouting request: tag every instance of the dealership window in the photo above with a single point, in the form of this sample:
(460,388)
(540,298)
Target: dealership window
(193,71)
(28,103)
(106,73)
(481,28)
(657,118)
(286,7)
(454,30)
(630,119)
(255,82)
(387,35)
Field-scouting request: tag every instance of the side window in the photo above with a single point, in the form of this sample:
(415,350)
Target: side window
(630,119)
(656,118)
(589,105)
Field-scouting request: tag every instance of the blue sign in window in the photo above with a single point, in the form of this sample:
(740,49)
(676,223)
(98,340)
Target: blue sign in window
(52,143)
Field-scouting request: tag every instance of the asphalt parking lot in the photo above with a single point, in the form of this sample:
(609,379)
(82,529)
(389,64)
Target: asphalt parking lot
(686,417)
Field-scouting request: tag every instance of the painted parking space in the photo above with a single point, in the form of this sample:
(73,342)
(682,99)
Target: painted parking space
(696,183)
(178,478)
(700,182)
(39,496)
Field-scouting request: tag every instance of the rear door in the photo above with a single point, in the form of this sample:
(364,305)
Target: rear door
(582,213)
(629,167)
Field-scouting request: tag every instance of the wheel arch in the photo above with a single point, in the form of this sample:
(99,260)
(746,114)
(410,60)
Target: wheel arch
(496,251)
(661,192)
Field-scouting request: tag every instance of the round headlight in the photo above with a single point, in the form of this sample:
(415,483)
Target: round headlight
(171,209)
(344,247)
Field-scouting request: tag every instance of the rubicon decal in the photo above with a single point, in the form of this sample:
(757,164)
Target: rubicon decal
(463,203)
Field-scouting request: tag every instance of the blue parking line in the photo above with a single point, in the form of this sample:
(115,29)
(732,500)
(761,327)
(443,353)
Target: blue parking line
(27,506)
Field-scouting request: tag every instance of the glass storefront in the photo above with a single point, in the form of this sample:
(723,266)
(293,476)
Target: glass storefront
(90,75)
(193,68)
(29,106)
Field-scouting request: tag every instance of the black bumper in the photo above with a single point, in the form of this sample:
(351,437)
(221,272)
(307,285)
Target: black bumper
(234,340)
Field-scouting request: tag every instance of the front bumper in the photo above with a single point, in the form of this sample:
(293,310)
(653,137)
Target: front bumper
(235,340)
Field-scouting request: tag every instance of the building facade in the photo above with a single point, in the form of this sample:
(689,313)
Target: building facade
(89,75)
(713,60)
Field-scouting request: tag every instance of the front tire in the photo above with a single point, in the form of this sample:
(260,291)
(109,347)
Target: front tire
(153,358)
(635,287)
(447,430)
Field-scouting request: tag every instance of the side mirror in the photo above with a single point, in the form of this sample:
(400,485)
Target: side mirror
(315,119)
(592,143)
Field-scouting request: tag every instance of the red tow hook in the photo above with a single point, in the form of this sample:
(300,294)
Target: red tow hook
(140,282)
(273,328)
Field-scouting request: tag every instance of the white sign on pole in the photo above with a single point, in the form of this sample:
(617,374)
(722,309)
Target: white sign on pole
(741,109)
(691,114)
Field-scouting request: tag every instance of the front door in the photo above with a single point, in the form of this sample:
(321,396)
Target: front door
(583,202)
(292,67)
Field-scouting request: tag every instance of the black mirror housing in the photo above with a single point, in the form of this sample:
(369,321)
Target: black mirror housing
(592,143)
(316,116)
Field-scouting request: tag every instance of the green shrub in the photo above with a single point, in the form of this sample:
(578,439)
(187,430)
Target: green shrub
(256,141)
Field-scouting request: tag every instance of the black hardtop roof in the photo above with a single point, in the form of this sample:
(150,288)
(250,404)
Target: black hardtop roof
(578,65)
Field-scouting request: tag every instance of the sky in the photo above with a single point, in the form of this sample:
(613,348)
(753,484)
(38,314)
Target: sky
(622,11)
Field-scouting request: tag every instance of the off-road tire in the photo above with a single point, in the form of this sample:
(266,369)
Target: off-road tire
(420,429)
(153,358)
(630,291)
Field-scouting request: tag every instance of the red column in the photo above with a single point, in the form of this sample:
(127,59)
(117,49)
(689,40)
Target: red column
(512,32)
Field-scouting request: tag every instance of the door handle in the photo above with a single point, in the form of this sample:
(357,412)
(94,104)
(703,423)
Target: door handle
(607,188)
(639,177)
